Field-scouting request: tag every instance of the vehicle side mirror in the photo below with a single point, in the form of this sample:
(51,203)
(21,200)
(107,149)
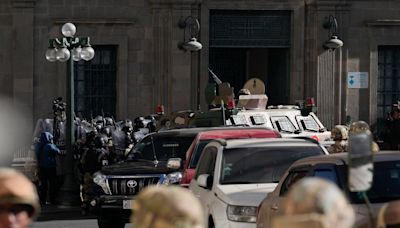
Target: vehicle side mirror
(360,160)
(174,163)
(205,181)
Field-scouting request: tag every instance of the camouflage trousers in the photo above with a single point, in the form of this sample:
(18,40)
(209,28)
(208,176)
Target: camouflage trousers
(87,188)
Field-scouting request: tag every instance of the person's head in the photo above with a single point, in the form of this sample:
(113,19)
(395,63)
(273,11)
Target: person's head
(396,113)
(139,122)
(319,200)
(359,127)
(109,121)
(167,207)
(244,92)
(19,202)
(46,137)
(339,132)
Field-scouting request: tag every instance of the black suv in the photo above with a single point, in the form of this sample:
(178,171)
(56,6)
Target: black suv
(155,160)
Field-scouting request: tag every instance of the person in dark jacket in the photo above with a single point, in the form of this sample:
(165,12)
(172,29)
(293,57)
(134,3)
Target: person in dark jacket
(393,127)
(46,152)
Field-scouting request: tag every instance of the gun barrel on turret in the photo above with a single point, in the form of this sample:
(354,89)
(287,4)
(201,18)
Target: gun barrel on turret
(215,77)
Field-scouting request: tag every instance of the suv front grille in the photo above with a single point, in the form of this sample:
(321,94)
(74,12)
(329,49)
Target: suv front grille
(130,185)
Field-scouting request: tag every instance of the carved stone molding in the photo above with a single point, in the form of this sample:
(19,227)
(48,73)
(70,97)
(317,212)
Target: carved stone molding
(177,2)
(100,21)
(180,4)
(23,3)
(383,22)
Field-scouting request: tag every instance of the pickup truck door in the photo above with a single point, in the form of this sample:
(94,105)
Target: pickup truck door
(206,166)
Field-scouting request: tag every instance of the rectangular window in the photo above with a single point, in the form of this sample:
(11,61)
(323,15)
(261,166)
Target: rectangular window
(283,124)
(95,83)
(388,83)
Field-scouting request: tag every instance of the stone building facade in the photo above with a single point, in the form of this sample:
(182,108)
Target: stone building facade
(278,41)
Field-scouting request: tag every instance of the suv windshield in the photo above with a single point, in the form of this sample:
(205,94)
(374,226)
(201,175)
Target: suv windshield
(385,185)
(164,147)
(263,164)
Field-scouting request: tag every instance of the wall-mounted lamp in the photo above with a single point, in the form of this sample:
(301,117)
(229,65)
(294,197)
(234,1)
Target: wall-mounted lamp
(333,41)
(194,28)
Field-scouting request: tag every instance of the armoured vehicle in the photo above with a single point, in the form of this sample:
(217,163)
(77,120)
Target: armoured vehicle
(290,120)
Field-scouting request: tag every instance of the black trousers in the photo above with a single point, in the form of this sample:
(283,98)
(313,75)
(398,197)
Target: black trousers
(47,185)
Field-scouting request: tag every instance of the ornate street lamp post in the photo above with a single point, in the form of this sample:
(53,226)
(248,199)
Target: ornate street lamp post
(69,49)
(192,45)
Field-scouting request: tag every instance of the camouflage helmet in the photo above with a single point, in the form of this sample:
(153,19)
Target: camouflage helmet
(15,188)
(340,132)
(167,207)
(315,195)
(359,127)
(363,127)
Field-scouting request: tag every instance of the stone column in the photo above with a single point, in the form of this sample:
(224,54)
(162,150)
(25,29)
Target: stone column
(23,57)
(173,70)
(330,94)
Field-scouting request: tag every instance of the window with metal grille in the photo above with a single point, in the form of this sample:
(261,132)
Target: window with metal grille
(388,82)
(95,83)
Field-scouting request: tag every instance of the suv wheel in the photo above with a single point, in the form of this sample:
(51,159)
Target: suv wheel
(105,223)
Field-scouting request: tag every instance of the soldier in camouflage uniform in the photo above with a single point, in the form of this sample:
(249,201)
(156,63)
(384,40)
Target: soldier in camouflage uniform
(167,207)
(340,135)
(362,127)
(89,165)
(315,202)
(19,202)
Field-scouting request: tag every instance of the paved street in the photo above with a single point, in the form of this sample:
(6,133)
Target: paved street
(86,223)
(55,216)
(83,223)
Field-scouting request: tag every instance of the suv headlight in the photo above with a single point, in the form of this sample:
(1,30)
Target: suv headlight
(101,180)
(241,213)
(172,178)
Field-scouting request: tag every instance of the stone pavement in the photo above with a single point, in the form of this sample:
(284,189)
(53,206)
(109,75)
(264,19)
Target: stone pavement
(57,212)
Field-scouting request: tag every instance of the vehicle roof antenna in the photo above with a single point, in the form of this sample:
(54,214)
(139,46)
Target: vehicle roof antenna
(154,152)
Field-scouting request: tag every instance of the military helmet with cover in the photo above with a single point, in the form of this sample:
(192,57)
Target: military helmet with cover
(316,197)
(340,132)
(363,127)
(359,127)
(15,188)
(167,207)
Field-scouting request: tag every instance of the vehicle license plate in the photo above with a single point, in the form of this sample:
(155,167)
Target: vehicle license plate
(127,204)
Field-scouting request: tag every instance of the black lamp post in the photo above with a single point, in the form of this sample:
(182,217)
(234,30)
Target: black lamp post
(68,49)
(194,28)
(192,44)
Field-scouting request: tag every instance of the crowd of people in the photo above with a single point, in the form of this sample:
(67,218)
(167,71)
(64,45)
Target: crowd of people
(100,141)
(391,140)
